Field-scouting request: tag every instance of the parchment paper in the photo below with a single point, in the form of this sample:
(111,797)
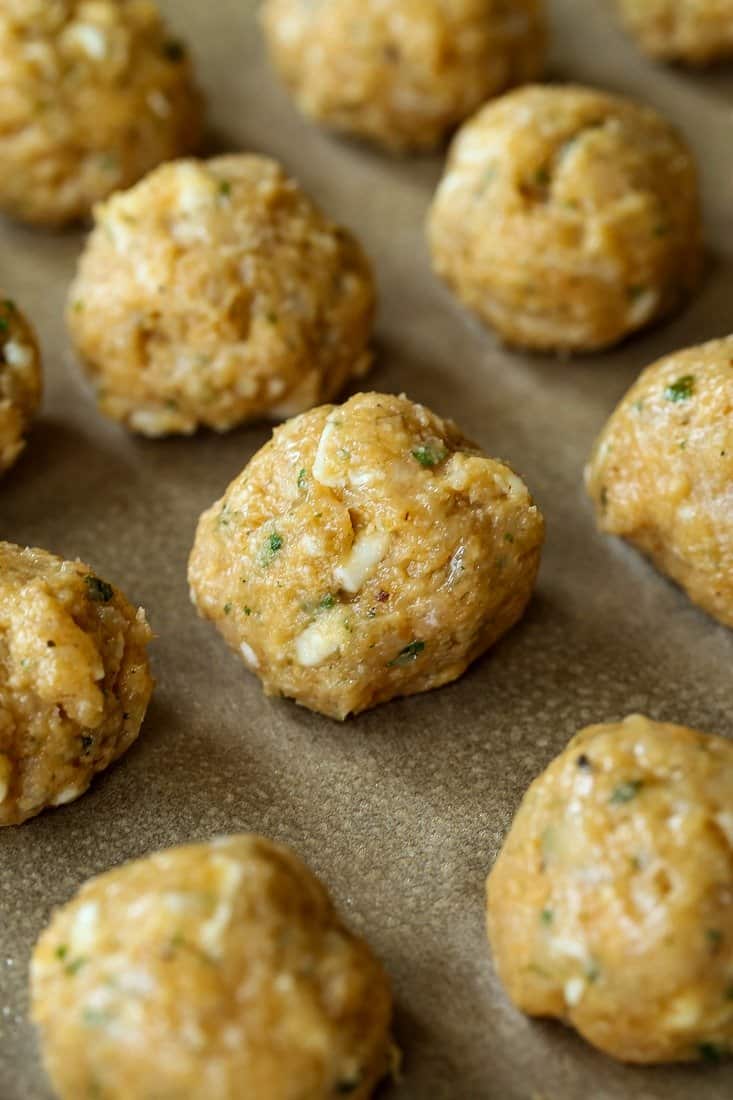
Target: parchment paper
(401,811)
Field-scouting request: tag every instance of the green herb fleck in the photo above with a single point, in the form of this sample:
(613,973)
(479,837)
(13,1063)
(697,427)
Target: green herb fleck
(227,609)
(714,937)
(710,1052)
(174,50)
(508,537)
(547,916)
(225,188)
(626,791)
(94,1017)
(633,293)
(61,951)
(592,971)
(248,610)
(542,176)
(347,1085)
(407,655)
(98,590)
(302,478)
(682,389)
(604,497)
(272,317)
(429,454)
(729,993)
(639,406)
(327,602)
(273,546)
(75,965)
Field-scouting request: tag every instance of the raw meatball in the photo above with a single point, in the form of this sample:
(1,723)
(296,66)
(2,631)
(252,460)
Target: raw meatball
(693,31)
(93,94)
(74,679)
(20,381)
(611,903)
(216,971)
(368,551)
(567,218)
(214,293)
(406,72)
(661,474)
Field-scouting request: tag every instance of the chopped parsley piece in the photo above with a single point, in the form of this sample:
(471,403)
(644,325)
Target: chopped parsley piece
(508,537)
(174,50)
(710,1052)
(633,293)
(429,454)
(273,546)
(682,389)
(75,965)
(227,609)
(98,590)
(626,791)
(302,478)
(592,971)
(248,610)
(542,177)
(327,602)
(225,188)
(547,916)
(407,655)
(61,951)
(94,1017)
(343,1088)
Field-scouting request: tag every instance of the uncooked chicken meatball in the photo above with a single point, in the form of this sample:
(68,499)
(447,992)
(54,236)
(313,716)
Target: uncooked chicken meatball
(368,551)
(74,679)
(20,381)
(692,31)
(567,218)
(93,94)
(611,904)
(216,971)
(402,73)
(216,292)
(661,474)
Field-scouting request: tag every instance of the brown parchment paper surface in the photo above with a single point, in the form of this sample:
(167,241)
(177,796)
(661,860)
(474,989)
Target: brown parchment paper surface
(401,811)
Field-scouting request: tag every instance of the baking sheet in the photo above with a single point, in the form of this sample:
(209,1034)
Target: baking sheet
(401,811)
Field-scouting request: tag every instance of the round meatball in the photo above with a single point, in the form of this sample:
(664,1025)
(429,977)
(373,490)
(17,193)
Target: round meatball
(661,474)
(611,904)
(214,293)
(20,381)
(216,971)
(74,679)
(93,94)
(368,551)
(692,31)
(567,218)
(402,73)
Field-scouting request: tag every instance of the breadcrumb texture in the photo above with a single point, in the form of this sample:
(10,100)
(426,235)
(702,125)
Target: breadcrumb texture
(694,32)
(216,292)
(215,971)
(661,474)
(402,73)
(368,551)
(611,903)
(93,94)
(20,381)
(74,679)
(567,218)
